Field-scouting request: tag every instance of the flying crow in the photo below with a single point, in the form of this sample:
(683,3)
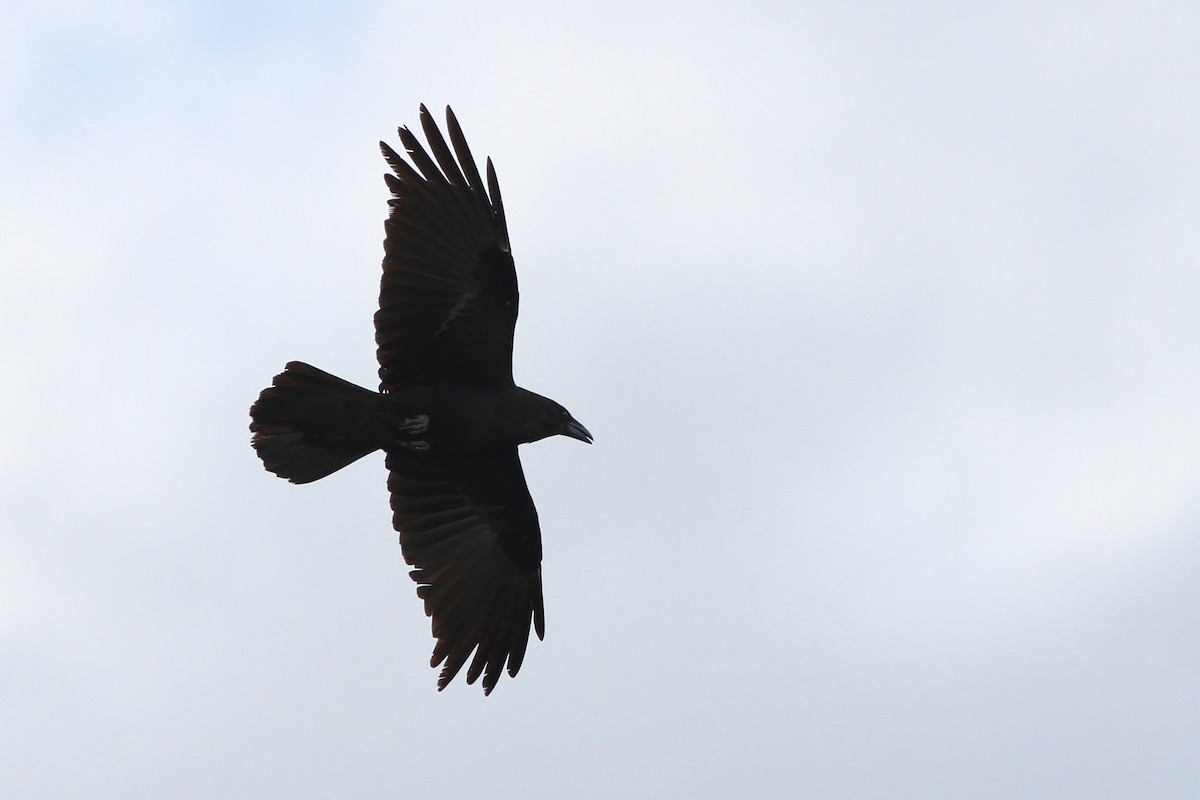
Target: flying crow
(448,414)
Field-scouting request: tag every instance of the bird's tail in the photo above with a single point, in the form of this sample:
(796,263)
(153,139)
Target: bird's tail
(308,423)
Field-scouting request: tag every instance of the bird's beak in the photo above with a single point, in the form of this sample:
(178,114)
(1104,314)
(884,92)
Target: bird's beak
(575,430)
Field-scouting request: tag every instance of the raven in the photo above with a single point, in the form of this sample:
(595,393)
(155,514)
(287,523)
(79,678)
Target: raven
(448,414)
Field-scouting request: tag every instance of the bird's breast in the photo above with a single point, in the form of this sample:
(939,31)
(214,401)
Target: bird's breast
(445,419)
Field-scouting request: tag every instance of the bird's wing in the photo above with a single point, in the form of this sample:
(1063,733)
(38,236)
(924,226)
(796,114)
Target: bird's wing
(448,297)
(470,530)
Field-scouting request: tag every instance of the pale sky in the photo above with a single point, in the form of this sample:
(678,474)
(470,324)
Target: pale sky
(886,320)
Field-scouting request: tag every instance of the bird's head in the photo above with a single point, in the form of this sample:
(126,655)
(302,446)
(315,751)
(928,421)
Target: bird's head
(569,426)
(544,417)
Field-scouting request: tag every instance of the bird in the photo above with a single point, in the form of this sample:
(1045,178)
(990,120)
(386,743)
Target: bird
(448,414)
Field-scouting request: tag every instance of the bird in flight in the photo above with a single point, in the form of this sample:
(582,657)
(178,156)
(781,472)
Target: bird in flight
(448,414)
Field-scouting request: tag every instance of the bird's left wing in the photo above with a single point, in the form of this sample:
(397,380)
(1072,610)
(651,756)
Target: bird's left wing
(470,530)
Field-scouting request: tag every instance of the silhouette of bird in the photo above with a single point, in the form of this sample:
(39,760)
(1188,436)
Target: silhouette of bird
(448,414)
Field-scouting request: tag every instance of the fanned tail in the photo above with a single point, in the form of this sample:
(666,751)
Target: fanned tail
(308,423)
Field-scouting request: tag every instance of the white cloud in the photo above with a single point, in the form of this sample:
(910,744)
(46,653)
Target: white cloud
(883,322)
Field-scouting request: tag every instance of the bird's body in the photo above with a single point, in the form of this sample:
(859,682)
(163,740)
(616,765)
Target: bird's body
(448,414)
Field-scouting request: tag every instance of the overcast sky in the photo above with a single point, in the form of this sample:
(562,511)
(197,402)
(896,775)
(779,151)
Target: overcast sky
(886,320)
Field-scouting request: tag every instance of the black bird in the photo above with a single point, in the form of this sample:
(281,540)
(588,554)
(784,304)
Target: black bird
(448,414)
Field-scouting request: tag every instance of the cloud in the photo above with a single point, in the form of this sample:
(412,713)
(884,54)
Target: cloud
(882,320)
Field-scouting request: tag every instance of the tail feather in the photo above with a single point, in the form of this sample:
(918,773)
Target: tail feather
(308,423)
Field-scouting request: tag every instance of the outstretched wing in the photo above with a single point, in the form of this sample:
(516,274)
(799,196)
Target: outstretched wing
(448,297)
(470,530)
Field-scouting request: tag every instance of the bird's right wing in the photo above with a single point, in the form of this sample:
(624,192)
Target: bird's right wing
(470,530)
(448,297)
